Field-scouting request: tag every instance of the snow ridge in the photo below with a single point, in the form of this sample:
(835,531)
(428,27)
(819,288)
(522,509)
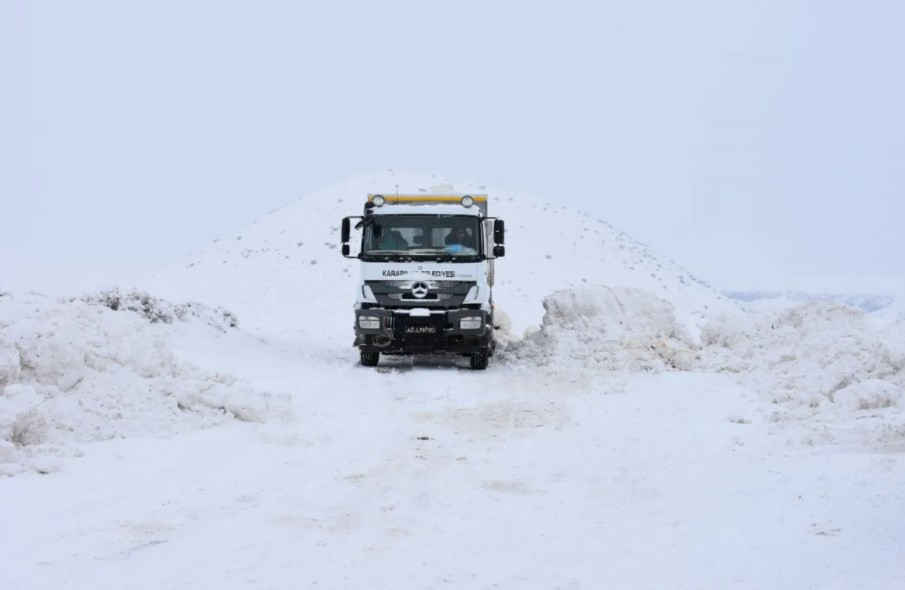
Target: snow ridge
(157,310)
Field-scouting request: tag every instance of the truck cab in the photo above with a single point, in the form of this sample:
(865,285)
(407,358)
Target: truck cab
(426,276)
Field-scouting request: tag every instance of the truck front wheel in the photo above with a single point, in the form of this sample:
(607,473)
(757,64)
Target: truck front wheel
(479,360)
(370,359)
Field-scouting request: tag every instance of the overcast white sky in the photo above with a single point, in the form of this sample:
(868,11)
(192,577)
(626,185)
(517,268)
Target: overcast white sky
(755,142)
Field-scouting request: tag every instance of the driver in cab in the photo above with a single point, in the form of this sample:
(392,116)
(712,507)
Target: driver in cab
(458,239)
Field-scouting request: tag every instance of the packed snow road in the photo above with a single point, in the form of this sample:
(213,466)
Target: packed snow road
(427,475)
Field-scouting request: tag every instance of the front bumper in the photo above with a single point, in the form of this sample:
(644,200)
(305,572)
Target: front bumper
(401,332)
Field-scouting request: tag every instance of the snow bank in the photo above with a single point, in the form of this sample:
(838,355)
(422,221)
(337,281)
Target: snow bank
(823,366)
(75,372)
(606,328)
(825,372)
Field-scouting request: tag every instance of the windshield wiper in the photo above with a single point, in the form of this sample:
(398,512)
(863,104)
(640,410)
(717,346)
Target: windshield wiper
(457,258)
(394,255)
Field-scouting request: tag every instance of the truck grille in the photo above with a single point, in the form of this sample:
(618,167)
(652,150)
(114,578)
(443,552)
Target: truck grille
(440,294)
(430,284)
(428,297)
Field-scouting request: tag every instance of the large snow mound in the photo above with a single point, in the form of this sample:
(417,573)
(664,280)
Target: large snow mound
(609,328)
(823,366)
(75,372)
(286,268)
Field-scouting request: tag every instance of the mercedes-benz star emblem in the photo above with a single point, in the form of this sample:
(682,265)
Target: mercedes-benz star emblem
(419,289)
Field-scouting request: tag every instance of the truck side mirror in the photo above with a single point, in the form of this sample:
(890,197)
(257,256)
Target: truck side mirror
(344,232)
(345,249)
(499,251)
(499,230)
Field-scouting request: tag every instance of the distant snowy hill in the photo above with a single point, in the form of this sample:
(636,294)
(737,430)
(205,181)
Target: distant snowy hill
(284,275)
(781,299)
(893,312)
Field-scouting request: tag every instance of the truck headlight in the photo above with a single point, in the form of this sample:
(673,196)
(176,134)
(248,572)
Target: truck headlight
(368,322)
(472,323)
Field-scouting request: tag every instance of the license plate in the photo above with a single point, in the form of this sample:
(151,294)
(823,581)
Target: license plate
(421,330)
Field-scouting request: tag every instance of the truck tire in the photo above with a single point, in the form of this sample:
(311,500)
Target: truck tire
(370,359)
(479,360)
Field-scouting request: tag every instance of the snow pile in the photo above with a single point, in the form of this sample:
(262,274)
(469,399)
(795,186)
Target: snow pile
(73,372)
(606,328)
(157,310)
(821,365)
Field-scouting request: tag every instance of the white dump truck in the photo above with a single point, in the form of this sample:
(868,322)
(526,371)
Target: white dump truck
(427,273)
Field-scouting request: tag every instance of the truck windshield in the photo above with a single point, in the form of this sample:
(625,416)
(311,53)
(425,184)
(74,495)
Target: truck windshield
(447,237)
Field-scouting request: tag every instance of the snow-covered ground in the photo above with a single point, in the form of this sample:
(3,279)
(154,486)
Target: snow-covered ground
(636,430)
